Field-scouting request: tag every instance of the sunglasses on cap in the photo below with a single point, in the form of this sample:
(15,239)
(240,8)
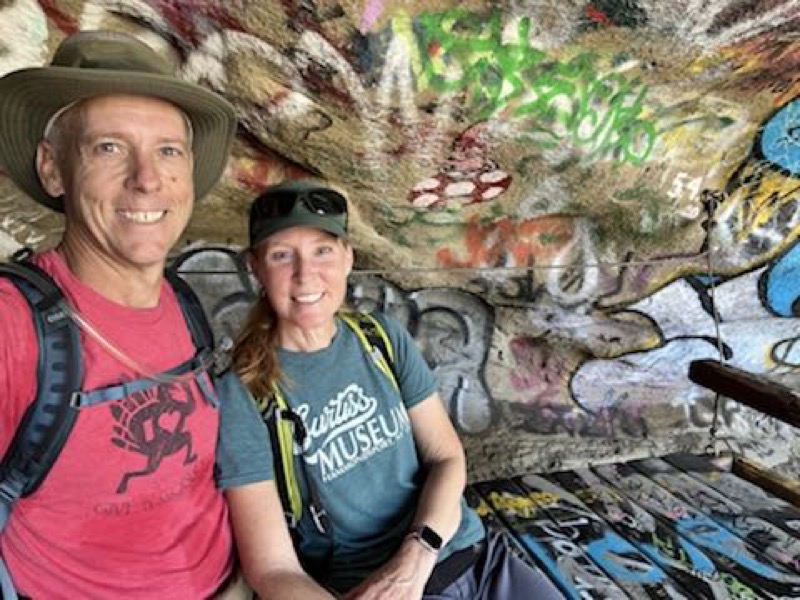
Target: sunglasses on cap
(295,205)
(278,204)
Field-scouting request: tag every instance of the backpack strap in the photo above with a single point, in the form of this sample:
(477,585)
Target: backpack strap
(207,358)
(202,363)
(286,428)
(198,366)
(199,327)
(50,417)
(48,421)
(374,339)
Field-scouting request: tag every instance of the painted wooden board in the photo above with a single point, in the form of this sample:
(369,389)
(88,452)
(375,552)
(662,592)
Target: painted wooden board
(763,536)
(759,573)
(627,565)
(753,500)
(681,559)
(494,524)
(576,575)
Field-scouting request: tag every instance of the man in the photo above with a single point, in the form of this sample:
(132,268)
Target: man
(107,135)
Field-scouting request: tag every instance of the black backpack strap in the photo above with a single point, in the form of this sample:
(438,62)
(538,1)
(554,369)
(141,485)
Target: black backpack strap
(270,416)
(214,360)
(199,327)
(49,419)
(375,340)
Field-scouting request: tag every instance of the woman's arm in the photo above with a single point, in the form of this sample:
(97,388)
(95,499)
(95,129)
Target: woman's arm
(265,547)
(442,456)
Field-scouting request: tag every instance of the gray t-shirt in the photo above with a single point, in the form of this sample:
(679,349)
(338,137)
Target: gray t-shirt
(244,454)
(359,453)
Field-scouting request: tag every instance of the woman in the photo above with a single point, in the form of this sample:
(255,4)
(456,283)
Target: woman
(380,469)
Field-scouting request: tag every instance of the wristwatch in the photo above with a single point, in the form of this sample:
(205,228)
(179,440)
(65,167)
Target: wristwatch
(426,536)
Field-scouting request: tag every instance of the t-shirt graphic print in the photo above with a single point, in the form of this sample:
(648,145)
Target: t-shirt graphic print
(350,429)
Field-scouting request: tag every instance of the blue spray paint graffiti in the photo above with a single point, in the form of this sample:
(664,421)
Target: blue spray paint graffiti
(632,570)
(780,284)
(780,138)
(709,535)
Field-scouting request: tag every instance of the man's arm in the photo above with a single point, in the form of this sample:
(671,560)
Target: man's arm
(265,547)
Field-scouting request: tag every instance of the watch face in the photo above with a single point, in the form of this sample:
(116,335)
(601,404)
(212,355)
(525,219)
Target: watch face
(430,537)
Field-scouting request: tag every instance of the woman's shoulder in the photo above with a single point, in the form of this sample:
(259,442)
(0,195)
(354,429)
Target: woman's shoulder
(367,319)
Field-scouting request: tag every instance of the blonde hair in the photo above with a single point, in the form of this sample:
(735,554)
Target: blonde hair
(255,355)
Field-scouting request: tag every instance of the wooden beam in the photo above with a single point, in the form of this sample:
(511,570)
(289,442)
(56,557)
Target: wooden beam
(768,479)
(756,391)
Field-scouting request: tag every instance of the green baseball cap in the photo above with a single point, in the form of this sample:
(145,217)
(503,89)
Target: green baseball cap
(298,203)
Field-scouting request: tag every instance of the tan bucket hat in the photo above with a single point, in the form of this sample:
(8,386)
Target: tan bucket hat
(99,63)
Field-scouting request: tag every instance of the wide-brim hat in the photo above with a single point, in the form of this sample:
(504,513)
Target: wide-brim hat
(99,63)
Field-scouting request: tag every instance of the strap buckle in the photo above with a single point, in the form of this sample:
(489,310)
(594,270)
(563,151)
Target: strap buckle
(12,487)
(291,520)
(76,400)
(320,517)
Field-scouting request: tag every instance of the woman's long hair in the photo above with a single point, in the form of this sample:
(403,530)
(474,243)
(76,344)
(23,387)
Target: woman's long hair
(255,356)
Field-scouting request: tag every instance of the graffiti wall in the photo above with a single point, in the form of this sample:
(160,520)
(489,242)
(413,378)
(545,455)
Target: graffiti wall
(566,202)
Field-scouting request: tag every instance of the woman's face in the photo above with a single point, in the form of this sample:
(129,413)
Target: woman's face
(304,275)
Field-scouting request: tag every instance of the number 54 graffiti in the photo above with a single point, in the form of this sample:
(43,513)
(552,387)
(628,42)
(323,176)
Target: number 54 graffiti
(683,191)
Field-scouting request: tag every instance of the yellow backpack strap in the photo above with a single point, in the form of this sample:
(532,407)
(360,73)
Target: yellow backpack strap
(283,431)
(375,341)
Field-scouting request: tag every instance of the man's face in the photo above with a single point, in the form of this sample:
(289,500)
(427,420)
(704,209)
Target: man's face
(125,171)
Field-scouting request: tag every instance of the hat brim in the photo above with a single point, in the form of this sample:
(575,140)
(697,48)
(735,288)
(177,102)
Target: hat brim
(300,218)
(29,97)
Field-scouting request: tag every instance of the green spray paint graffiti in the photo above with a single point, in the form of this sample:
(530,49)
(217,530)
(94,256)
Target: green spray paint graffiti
(552,101)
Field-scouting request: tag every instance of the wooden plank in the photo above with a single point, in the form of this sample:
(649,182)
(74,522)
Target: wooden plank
(559,556)
(494,524)
(756,391)
(768,479)
(629,567)
(763,533)
(682,560)
(722,546)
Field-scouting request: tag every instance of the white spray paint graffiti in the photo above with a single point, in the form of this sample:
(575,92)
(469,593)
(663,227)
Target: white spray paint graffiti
(8,245)
(452,327)
(558,282)
(23,29)
(688,333)
(96,14)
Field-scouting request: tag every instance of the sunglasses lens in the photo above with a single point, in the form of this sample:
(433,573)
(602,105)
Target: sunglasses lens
(276,205)
(325,202)
(322,202)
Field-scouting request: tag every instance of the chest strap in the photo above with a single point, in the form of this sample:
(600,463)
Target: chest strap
(197,366)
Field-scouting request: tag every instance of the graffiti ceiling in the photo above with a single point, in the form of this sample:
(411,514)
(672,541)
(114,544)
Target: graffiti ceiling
(566,201)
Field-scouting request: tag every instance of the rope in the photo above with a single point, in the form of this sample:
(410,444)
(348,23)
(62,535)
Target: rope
(522,269)
(711,205)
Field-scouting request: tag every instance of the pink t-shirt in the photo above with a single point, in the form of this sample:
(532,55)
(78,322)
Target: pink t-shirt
(130,509)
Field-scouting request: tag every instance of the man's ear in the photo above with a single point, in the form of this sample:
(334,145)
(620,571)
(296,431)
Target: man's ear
(47,168)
